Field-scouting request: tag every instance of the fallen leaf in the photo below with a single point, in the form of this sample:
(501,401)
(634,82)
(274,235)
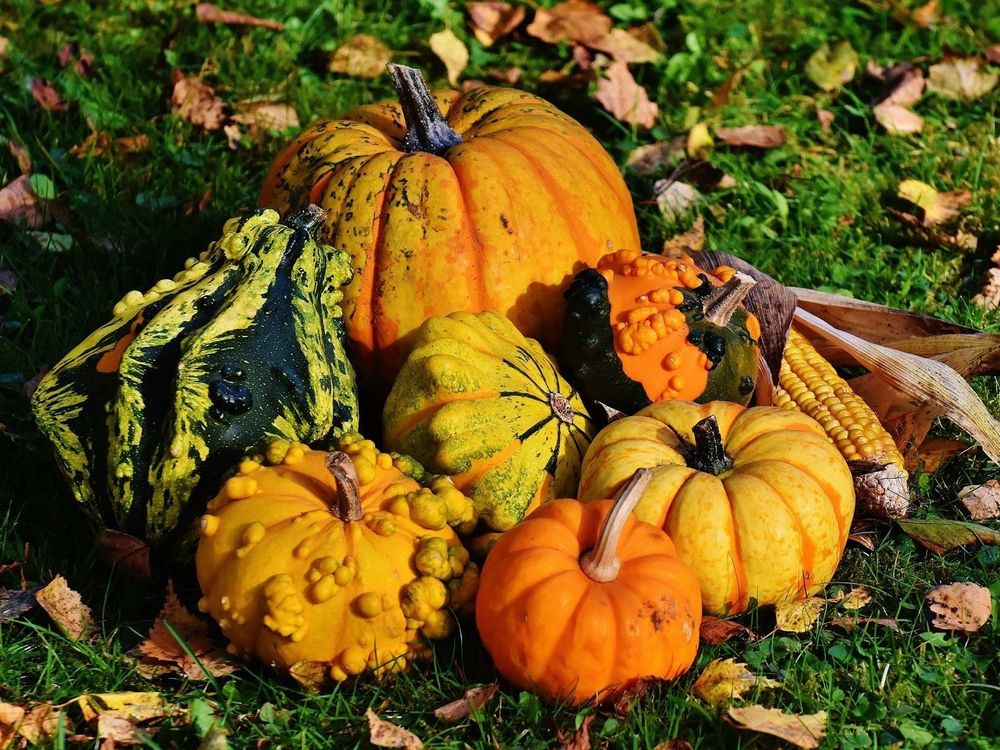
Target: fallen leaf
(382,733)
(832,67)
(908,88)
(941,535)
(798,616)
(119,731)
(826,118)
(509,76)
(936,452)
(82,59)
(992,54)
(753,136)
(856,598)
(208,13)
(65,607)
(95,144)
(863,533)
(699,141)
(938,207)
(622,46)
(647,159)
(580,739)
(361,56)
(964,607)
(724,680)
(45,95)
(691,241)
(715,631)
(492,20)
(130,705)
(21,155)
(116,549)
(162,649)
(193,207)
(195,101)
(632,694)
(261,116)
(40,724)
(618,93)
(989,296)
(961,78)
(233,133)
(11,717)
(8,282)
(926,15)
(897,119)
(134,143)
(800,730)
(570,21)
(451,51)
(849,623)
(675,199)
(721,96)
(474,698)
(981,501)
(675,744)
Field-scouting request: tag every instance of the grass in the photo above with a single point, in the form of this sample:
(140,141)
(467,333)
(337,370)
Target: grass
(813,212)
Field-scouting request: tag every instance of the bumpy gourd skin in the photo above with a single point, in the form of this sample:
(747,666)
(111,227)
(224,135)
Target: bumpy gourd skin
(636,332)
(498,222)
(244,346)
(478,401)
(290,582)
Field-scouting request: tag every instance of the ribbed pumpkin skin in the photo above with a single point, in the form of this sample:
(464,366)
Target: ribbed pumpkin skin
(242,347)
(481,403)
(500,222)
(290,582)
(552,629)
(773,527)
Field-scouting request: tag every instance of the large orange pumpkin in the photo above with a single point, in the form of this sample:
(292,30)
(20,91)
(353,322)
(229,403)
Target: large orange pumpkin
(758,501)
(485,200)
(579,601)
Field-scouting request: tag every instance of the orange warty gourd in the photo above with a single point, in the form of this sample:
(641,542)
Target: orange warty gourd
(337,563)
(579,601)
(758,501)
(485,200)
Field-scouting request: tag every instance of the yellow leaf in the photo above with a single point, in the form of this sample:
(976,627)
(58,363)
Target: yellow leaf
(452,52)
(832,67)
(856,598)
(938,207)
(130,705)
(964,607)
(802,731)
(724,680)
(11,717)
(65,607)
(699,141)
(799,615)
(961,78)
(362,56)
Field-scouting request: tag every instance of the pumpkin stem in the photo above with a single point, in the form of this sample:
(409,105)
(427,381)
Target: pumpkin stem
(348,506)
(722,302)
(601,564)
(426,129)
(309,218)
(709,454)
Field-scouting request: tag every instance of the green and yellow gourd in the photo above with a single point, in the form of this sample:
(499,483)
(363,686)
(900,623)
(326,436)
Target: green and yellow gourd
(478,401)
(243,347)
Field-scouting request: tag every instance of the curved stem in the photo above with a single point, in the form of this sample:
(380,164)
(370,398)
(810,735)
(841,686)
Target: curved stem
(348,505)
(601,564)
(426,129)
(309,218)
(722,302)
(709,454)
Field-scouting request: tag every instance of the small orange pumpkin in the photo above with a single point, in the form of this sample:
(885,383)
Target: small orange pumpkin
(579,601)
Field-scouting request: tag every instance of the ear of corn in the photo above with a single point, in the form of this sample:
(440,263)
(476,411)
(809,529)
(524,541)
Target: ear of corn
(810,384)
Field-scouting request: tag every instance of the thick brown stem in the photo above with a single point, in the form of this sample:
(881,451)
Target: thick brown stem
(348,505)
(309,218)
(709,454)
(426,129)
(601,563)
(723,301)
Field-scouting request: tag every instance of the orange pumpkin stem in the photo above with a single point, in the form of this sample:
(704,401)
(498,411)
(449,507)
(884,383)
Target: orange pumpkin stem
(426,129)
(601,564)
(309,218)
(348,505)
(720,305)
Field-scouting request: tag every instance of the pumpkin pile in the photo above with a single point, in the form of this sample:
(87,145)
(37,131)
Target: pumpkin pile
(440,246)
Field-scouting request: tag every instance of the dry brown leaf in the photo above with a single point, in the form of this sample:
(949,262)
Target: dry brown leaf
(864,539)
(936,452)
(849,623)
(21,155)
(580,739)
(625,47)
(492,20)
(724,680)
(981,501)
(195,101)
(95,144)
(259,117)
(125,552)
(961,78)
(989,296)
(451,51)
(992,54)
(647,159)
(570,21)
(908,89)
(476,697)
(798,616)
(938,207)
(926,15)
(65,607)
(897,119)
(510,76)
(715,631)
(691,241)
(46,96)
(675,744)
(119,731)
(620,95)
(826,118)
(752,136)
(964,607)
(856,598)
(832,67)
(804,731)
(134,143)
(11,717)
(135,706)
(382,733)
(312,675)
(40,724)
(361,56)
(208,13)
(18,203)
(162,649)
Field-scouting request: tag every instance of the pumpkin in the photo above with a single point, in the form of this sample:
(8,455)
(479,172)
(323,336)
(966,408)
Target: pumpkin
(242,347)
(643,327)
(579,601)
(481,403)
(484,200)
(337,560)
(758,501)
